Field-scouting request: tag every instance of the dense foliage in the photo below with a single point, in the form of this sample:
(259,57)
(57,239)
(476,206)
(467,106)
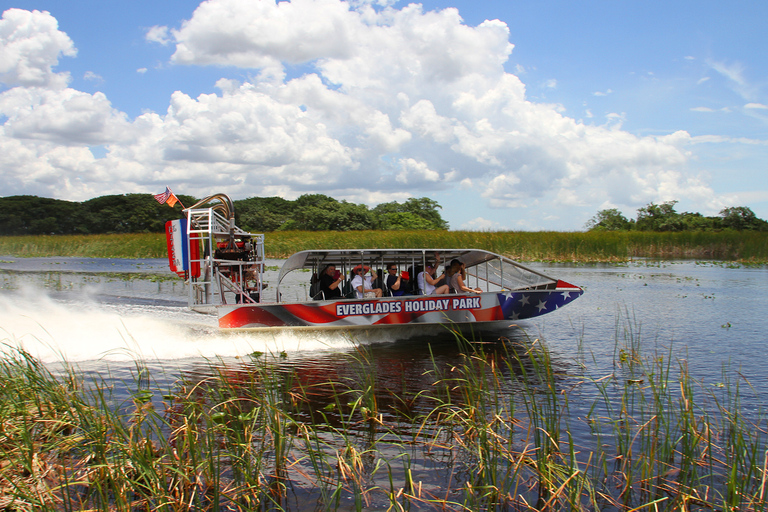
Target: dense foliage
(128,213)
(663,217)
(140,213)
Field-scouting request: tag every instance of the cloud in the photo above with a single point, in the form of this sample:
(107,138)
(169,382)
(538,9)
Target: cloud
(30,45)
(250,34)
(93,77)
(480,224)
(757,106)
(378,99)
(735,75)
(158,34)
(414,172)
(67,117)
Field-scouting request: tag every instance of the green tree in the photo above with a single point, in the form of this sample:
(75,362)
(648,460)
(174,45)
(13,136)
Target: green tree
(426,209)
(316,212)
(315,200)
(263,214)
(32,215)
(698,222)
(608,220)
(415,213)
(403,221)
(659,217)
(742,218)
(130,213)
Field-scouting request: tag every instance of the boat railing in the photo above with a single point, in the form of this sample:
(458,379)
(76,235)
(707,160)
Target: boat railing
(507,275)
(496,274)
(226,257)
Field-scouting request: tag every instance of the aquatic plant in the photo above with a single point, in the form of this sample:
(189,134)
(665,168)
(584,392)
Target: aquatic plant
(494,429)
(747,247)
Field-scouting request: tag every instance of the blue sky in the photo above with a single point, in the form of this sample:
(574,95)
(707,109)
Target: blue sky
(533,120)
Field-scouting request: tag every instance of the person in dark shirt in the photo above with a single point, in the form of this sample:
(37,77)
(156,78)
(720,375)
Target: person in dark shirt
(330,282)
(396,284)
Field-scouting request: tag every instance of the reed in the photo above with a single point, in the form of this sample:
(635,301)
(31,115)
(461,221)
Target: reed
(492,431)
(136,245)
(592,246)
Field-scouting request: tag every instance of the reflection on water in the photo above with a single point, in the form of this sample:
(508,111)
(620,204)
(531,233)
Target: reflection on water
(373,405)
(395,376)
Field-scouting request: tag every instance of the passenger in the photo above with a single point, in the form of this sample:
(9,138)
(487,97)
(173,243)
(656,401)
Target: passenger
(363,285)
(396,283)
(376,280)
(458,275)
(428,284)
(330,282)
(450,270)
(443,279)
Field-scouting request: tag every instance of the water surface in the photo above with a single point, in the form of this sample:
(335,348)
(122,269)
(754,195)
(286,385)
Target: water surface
(104,315)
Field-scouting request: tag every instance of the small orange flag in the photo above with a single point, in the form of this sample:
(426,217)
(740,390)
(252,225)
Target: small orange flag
(167,197)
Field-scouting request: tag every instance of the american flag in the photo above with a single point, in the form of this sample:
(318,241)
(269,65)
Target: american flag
(167,197)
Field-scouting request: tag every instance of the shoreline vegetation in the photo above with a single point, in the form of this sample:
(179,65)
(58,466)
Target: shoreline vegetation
(493,432)
(744,247)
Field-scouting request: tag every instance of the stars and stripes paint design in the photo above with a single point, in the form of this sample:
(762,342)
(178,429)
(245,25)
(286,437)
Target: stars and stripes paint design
(433,309)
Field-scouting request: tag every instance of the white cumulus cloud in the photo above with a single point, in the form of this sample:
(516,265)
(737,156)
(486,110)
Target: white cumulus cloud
(378,98)
(30,45)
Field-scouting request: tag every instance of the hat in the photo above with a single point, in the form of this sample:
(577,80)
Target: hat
(405,275)
(358,267)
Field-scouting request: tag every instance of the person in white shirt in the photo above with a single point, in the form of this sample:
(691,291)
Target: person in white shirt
(427,282)
(362,283)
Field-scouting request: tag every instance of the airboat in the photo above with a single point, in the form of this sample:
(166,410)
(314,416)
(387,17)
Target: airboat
(224,268)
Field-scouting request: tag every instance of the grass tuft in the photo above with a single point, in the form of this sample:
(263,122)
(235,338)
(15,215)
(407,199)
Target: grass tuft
(593,246)
(491,430)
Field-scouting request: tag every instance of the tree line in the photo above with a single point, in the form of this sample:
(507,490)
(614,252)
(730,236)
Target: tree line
(663,217)
(141,213)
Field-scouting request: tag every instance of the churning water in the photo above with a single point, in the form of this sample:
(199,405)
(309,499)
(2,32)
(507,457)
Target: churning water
(83,310)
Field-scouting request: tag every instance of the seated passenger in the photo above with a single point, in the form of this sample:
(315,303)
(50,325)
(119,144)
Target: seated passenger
(375,280)
(458,275)
(428,283)
(450,270)
(362,283)
(396,283)
(330,283)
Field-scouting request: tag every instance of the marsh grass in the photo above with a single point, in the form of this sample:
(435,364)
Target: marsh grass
(592,246)
(493,430)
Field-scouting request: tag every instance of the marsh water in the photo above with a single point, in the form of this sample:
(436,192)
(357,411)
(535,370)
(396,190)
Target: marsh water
(104,313)
(102,316)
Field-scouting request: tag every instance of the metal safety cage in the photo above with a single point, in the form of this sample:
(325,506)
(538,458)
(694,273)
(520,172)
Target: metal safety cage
(226,257)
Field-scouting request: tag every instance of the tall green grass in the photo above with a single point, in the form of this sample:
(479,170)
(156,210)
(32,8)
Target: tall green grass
(491,431)
(592,246)
(138,245)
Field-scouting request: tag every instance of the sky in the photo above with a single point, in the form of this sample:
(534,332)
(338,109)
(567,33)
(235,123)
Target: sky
(512,115)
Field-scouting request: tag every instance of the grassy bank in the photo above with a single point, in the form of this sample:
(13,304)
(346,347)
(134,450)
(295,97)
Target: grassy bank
(746,247)
(491,433)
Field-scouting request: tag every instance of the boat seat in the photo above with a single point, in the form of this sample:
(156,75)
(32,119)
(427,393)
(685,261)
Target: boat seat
(314,288)
(347,291)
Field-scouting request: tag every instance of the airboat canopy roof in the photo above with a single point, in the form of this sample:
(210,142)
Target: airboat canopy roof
(508,273)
